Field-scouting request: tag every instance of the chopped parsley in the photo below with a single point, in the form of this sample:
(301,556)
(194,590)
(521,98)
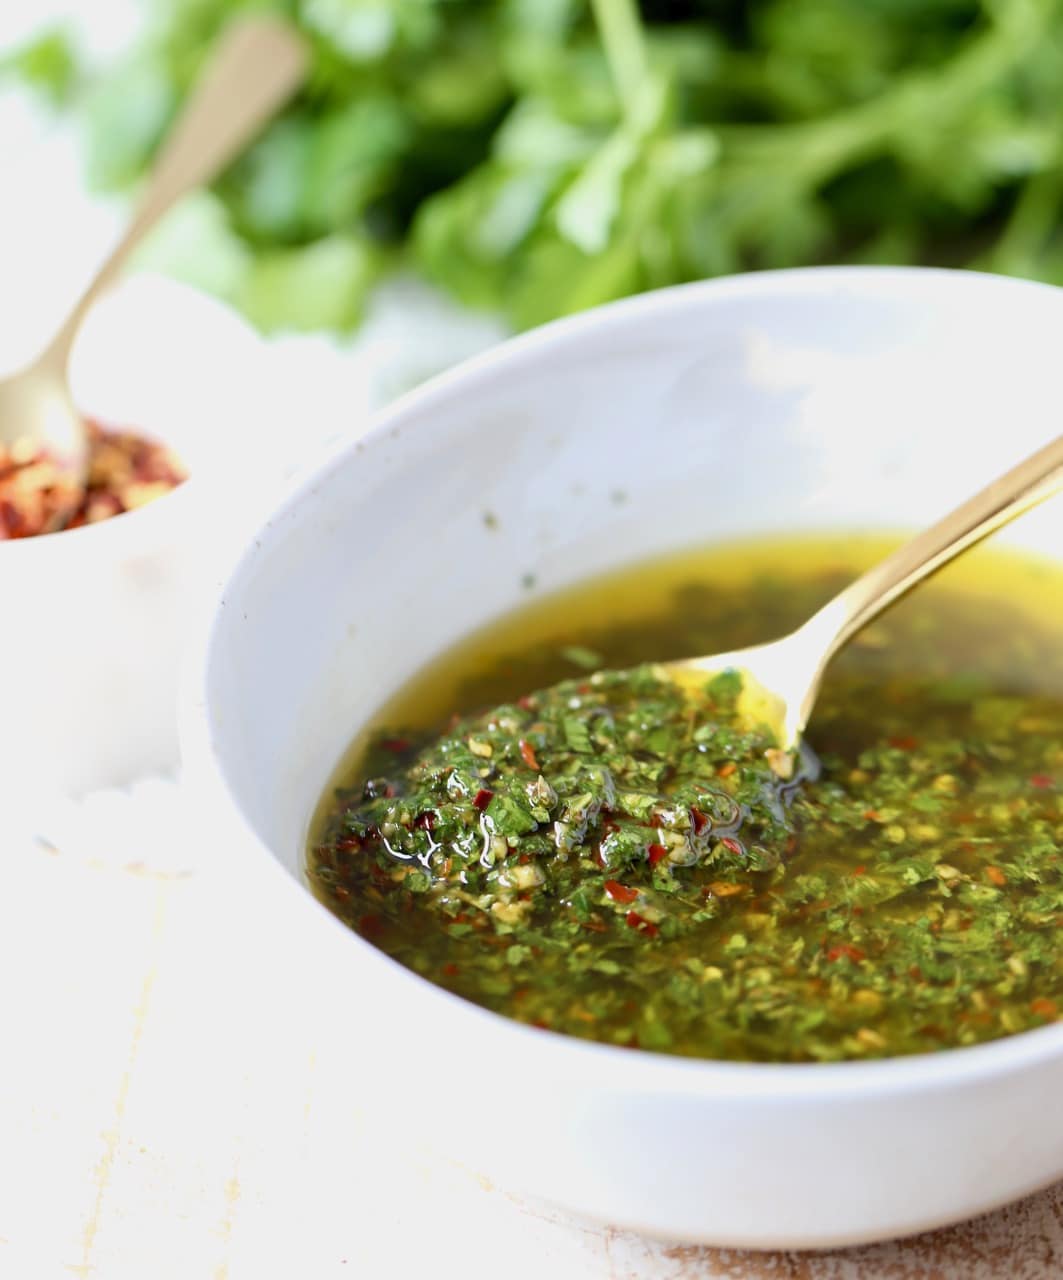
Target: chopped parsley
(620,859)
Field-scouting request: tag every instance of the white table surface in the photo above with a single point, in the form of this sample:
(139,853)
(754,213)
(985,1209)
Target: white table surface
(160,1113)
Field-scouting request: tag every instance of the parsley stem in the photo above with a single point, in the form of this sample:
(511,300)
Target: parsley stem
(623,39)
(1031,223)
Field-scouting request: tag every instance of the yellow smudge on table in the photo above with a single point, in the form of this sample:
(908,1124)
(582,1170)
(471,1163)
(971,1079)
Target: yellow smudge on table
(112,1135)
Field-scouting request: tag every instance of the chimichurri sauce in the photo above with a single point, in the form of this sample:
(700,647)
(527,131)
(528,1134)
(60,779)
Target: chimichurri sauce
(617,858)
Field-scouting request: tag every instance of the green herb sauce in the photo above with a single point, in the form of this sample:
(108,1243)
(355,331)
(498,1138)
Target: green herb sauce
(621,859)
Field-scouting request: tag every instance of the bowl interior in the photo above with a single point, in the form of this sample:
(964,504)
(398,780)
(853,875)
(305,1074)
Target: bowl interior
(845,399)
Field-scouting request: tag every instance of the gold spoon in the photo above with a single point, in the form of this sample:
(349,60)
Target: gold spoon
(782,679)
(256,66)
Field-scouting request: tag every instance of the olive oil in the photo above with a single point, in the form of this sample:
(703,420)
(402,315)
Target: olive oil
(907,900)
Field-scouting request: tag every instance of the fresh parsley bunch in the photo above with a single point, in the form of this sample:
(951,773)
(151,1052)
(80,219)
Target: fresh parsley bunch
(541,156)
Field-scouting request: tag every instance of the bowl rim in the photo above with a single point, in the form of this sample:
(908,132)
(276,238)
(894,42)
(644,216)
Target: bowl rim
(611,1066)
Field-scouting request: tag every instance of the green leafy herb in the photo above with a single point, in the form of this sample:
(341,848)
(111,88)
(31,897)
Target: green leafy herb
(542,157)
(617,858)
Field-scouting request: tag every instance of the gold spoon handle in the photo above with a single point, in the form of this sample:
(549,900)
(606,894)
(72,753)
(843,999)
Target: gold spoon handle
(1019,489)
(257,64)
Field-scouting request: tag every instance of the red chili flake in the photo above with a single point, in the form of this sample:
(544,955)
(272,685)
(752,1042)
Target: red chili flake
(620,892)
(395,744)
(125,471)
(450,970)
(426,821)
(583,687)
(641,925)
(524,859)
(526,703)
(1041,781)
(655,821)
(370,926)
(1043,1007)
(904,743)
(733,845)
(655,853)
(859,870)
(847,950)
(349,844)
(483,798)
(995,876)
(725,770)
(594,925)
(699,819)
(527,751)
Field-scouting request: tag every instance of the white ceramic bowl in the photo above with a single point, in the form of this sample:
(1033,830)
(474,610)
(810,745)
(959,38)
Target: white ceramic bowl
(808,400)
(94,619)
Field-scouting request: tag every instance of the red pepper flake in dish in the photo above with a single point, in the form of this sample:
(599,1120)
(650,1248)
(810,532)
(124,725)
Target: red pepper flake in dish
(527,752)
(620,892)
(641,925)
(655,853)
(845,950)
(125,471)
(370,926)
(483,798)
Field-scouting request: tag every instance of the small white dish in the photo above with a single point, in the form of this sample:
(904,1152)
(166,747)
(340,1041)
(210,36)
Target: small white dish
(95,618)
(844,399)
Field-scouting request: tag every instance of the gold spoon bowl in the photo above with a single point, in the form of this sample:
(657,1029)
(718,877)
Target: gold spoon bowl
(256,67)
(782,678)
